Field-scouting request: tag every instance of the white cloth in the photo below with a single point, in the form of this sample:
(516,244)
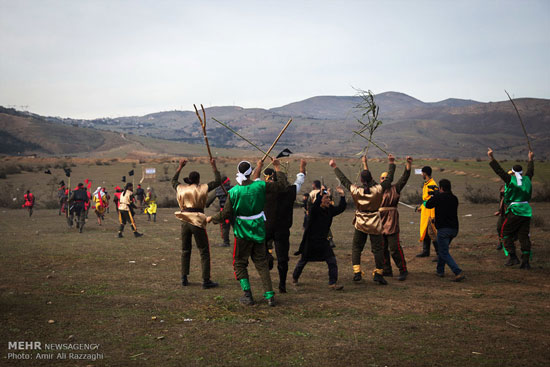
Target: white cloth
(252,217)
(519,176)
(241,177)
(300,179)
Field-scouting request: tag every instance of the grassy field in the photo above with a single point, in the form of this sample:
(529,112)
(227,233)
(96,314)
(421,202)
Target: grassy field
(125,294)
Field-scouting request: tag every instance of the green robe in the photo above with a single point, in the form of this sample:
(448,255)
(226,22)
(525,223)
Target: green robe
(248,204)
(517,197)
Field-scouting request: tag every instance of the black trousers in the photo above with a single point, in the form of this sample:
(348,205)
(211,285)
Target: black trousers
(201,239)
(125,216)
(332,269)
(393,247)
(281,241)
(516,227)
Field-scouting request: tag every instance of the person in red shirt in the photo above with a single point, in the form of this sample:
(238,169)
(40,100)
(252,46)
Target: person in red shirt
(29,202)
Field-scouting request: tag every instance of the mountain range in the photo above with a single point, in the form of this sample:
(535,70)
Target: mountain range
(322,125)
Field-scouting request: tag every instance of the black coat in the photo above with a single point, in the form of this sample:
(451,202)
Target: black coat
(315,245)
(279,209)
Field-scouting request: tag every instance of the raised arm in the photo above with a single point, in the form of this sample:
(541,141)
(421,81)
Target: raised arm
(301,176)
(339,209)
(530,166)
(497,168)
(175,180)
(391,172)
(281,183)
(405,177)
(217,177)
(343,179)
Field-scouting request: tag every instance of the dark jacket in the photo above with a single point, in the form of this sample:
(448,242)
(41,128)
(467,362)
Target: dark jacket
(278,209)
(446,209)
(315,245)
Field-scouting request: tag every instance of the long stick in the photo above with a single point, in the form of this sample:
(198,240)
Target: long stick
(521,121)
(276,140)
(203,125)
(239,135)
(370,141)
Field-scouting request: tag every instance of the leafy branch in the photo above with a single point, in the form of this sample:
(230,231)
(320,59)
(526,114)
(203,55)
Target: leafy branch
(368,121)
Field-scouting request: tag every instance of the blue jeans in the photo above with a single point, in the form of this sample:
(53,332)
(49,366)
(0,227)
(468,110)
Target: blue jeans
(444,238)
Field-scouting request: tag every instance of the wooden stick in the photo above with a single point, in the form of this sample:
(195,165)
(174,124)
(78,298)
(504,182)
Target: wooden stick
(276,140)
(370,141)
(203,125)
(520,120)
(239,135)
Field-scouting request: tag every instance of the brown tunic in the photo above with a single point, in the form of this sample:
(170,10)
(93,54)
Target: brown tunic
(388,209)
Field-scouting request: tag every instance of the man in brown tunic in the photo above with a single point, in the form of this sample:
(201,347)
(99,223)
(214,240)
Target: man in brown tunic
(367,198)
(192,200)
(390,223)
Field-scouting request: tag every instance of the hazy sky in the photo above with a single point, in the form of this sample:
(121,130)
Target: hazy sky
(112,58)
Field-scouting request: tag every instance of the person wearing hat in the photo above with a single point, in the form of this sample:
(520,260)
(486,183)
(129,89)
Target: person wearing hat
(315,245)
(151,200)
(428,232)
(279,210)
(367,197)
(389,216)
(245,206)
(77,205)
(126,208)
(192,198)
(517,194)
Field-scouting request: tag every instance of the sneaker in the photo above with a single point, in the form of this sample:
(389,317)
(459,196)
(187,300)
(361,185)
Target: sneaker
(387,273)
(271,301)
(423,254)
(247,299)
(459,277)
(335,287)
(402,275)
(120,235)
(207,284)
(137,234)
(380,279)
(184,281)
(357,277)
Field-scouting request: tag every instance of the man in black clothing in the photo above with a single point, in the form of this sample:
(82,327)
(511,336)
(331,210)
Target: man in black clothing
(221,195)
(446,222)
(77,204)
(315,245)
(140,196)
(278,209)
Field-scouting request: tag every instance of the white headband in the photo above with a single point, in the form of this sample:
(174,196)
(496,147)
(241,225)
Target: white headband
(241,177)
(518,176)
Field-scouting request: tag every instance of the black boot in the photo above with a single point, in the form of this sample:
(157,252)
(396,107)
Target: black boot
(81,228)
(380,279)
(513,260)
(403,275)
(184,281)
(247,299)
(388,273)
(137,234)
(357,277)
(120,235)
(525,262)
(155,217)
(207,284)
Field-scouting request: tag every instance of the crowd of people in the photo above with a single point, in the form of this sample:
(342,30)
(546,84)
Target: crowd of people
(260,212)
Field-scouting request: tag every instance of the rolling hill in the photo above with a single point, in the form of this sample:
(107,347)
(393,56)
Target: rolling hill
(324,125)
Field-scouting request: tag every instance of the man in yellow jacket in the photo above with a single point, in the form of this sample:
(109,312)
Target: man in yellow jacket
(428,233)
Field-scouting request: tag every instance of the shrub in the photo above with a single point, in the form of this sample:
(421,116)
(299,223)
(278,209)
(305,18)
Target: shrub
(537,221)
(480,195)
(11,169)
(99,162)
(167,202)
(413,198)
(541,192)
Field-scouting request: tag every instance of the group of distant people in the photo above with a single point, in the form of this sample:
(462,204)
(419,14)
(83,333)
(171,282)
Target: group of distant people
(261,214)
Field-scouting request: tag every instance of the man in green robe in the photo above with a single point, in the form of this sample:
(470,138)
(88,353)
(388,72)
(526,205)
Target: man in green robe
(244,207)
(517,193)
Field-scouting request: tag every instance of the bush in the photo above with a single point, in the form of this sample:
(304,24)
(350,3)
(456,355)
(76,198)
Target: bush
(99,162)
(413,198)
(537,221)
(541,192)
(480,195)
(167,202)
(11,169)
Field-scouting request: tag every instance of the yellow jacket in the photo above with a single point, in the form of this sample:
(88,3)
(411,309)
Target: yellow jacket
(426,214)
